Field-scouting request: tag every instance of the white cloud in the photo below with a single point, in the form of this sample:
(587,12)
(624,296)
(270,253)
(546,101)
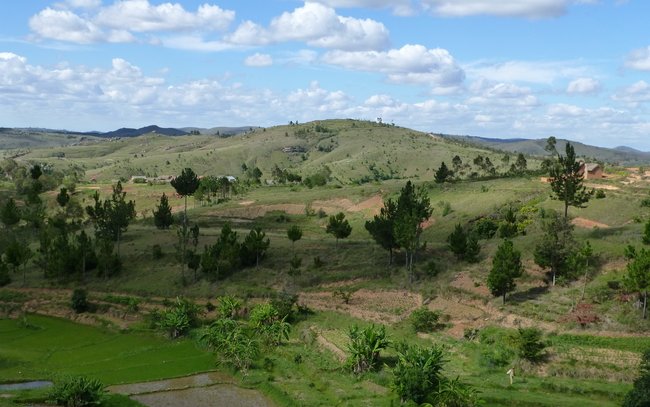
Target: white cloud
(583,86)
(634,94)
(258,60)
(141,16)
(489,94)
(409,64)
(502,8)
(63,25)
(123,20)
(541,72)
(316,25)
(193,43)
(639,59)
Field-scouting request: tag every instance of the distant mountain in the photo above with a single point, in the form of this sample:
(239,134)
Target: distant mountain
(128,132)
(619,155)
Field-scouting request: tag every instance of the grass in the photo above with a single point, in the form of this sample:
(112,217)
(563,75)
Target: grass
(47,347)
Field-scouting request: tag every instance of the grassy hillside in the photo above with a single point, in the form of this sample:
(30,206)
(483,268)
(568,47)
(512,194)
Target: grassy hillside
(619,156)
(587,364)
(353,150)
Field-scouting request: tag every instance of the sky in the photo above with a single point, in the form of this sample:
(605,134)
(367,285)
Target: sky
(574,69)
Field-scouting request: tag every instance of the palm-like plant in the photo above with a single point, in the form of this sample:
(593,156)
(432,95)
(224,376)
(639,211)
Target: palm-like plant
(365,346)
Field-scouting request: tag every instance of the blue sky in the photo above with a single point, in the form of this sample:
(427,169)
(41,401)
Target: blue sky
(576,69)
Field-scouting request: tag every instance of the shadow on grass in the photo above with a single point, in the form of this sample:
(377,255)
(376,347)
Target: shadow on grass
(530,294)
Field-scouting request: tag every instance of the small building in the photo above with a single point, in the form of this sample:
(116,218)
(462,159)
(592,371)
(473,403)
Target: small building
(591,170)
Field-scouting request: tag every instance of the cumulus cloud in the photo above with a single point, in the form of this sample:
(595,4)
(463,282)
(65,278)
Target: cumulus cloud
(121,21)
(317,25)
(487,93)
(502,8)
(583,86)
(258,60)
(639,59)
(409,64)
(141,16)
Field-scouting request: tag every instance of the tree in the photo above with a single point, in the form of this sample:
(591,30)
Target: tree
(639,396)
(185,185)
(4,273)
(506,266)
(556,247)
(463,244)
(457,163)
(84,250)
(18,254)
(521,164)
(551,144)
(339,227)
(638,274)
(413,208)
(567,182)
(256,243)
(443,174)
(9,214)
(294,233)
(112,217)
(62,198)
(162,215)
(382,228)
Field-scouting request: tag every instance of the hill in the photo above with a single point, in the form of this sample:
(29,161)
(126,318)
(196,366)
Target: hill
(127,132)
(353,151)
(619,155)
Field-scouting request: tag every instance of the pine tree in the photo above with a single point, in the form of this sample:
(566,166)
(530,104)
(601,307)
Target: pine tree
(185,185)
(442,174)
(382,228)
(567,182)
(162,216)
(339,227)
(9,214)
(506,266)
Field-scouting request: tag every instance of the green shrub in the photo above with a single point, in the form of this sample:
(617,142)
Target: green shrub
(76,391)
(485,228)
(79,301)
(229,306)
(639,396)
(364,347)
(179,318)
(418,372)
(530,345)
(424,320)
(600,194)
(156,252)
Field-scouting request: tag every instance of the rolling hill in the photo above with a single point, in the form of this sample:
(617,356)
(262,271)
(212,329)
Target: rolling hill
(619,155)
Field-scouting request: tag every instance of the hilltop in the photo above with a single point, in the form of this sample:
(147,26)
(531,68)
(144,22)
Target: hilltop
(352,151)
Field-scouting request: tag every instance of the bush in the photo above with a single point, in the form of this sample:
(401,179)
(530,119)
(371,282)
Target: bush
(79,301)
(77,391)
(485,228)
(639,396)
(179,318)
(364,347)
(600,194)
(417,373)
(424,320)
(530,345)
(156,252)
(229,306)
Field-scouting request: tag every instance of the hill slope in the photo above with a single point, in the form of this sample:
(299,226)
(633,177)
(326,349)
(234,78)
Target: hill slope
(618,155)
(354,151)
